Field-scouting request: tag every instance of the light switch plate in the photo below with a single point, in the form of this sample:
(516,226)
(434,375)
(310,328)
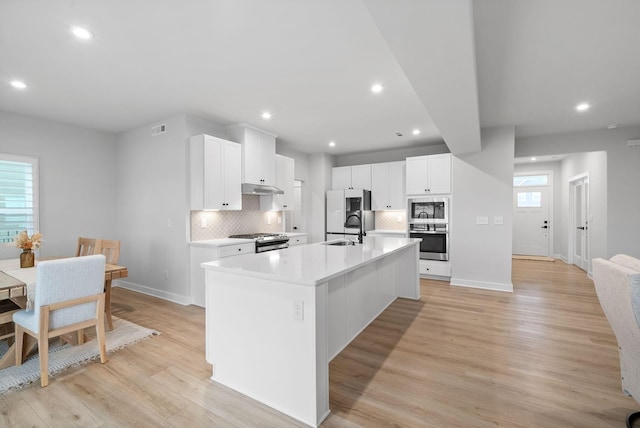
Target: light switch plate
(498,219)
(482,220)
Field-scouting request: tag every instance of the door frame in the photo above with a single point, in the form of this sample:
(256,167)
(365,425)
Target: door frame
(584,176)
(551,223)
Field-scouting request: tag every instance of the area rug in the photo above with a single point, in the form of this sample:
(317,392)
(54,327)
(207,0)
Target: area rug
(61,357)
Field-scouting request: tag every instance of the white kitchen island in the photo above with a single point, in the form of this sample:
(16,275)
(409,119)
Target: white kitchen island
(274,320)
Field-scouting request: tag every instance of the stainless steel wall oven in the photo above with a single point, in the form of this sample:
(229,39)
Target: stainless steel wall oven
(435,240)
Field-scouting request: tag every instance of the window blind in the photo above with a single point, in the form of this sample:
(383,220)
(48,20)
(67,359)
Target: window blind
(18,196)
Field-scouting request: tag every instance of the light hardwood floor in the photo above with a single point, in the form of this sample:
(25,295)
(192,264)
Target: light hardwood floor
(543,356)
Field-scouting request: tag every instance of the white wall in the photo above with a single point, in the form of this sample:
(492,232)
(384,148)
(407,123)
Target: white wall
(623,178)
(483,186)
(152,199)
(390,155)
(77,180)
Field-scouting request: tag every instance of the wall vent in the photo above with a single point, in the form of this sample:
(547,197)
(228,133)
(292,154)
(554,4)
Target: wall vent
(634,143)
(158,129)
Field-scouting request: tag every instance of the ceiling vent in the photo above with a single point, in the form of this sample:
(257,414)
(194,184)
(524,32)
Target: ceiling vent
(158,129)
(634,143)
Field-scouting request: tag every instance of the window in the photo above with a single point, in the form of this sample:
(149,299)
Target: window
(529,199)
(530,180)
(18,196)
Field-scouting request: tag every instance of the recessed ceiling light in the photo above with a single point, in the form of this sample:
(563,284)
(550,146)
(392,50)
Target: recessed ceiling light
(18,84)
(82,33)
(612,126)
(533,159)
(377,88)
(332,143)
(583,107)
(416,132)
(266,115)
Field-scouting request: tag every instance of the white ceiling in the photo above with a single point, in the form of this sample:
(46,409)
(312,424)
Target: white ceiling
(311,63)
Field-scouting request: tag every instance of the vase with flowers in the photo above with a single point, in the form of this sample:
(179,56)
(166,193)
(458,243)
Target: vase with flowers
(28,244)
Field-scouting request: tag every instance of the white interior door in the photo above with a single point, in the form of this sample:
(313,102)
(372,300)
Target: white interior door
(531,224)
(580,223)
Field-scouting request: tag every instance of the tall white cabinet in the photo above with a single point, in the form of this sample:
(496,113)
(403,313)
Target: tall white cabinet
(429,175)
(215,166)
(284,181)
(258,153)
(387,186)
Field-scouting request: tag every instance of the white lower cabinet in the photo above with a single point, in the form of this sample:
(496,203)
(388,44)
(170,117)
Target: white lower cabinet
(297,240)
(200,254)
(435,268)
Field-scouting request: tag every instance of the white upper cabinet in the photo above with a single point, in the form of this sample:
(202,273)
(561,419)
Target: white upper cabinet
(429,174)
(284,181)
(214,174)
(351,177)
(258,153)
(387,186)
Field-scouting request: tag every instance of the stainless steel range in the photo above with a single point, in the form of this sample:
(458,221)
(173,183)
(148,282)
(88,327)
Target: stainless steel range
(266,241)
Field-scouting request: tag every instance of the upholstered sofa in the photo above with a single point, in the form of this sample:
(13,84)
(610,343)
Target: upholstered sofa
(617,284)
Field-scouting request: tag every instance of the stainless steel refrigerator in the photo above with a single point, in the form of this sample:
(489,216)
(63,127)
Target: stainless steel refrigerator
(347,212)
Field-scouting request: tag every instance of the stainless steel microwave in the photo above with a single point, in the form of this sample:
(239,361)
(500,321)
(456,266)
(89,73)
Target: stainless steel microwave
(429,210)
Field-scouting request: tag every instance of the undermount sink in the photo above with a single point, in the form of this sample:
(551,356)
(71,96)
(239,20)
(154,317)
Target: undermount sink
(340,243)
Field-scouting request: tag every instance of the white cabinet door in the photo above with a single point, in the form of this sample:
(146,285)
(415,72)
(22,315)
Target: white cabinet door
(341,178)
(397,195)
(258,154)
(361,177)
(417,181)
(429,174)
(284,181)
(351,177)
(214,174)
(439,169)
(231,175)
(380,187)
(200,255)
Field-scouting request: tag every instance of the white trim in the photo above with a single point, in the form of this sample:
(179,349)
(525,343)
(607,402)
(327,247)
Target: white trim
(583,176)
(171,297)
(550,207)
(485,285)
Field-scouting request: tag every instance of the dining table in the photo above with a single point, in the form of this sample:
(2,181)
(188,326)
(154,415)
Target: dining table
(17,292)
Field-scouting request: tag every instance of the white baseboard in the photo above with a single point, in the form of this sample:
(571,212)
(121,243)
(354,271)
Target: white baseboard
(561,257)
(495,286)
(172,297)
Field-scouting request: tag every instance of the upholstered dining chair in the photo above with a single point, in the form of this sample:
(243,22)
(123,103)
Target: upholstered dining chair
(617,283)
(111,250)
(69,297)
(85,246)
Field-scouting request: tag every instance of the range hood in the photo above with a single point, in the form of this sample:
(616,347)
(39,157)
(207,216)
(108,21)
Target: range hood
(260,189)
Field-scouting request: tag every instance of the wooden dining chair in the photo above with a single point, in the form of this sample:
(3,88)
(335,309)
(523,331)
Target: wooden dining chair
(69,297)
(86,246)
(111,250)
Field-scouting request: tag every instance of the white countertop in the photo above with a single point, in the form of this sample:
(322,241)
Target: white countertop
(222,242)
(389,231)
(311,264)
(294,234)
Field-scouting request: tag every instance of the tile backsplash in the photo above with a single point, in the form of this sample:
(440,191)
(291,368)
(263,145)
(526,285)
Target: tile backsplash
(388,220)
(221,224)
